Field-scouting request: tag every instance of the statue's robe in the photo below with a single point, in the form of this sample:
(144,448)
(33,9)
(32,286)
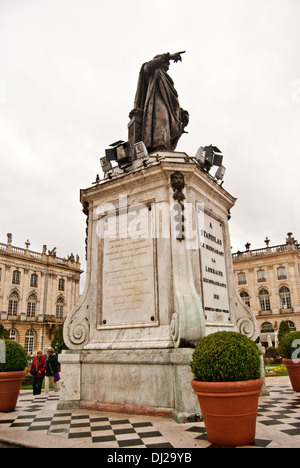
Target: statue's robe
(157,97)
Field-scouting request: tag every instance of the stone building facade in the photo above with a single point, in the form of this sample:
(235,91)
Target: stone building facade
(268,280)
(37,290)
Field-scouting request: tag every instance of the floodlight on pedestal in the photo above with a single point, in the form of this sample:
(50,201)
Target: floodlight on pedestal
(105,164)
(119,152)
(123,159)
(141,151)
(219,175)
(110,154)
(200,155)
(212,157)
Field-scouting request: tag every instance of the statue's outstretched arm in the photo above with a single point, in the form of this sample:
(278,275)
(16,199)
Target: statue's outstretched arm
(161,60)
(177,56)
(158,62)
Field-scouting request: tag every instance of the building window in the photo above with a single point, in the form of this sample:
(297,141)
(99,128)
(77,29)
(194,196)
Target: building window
(246,298)
(281,273)
(267,327)
(16,277)
(13,303)
(29,341)
(13,334)
(60,307)
(291,325)
(31,306)
(242,278)
(285,298)
(264,300)
(261,276)
(61,284)
(34,280)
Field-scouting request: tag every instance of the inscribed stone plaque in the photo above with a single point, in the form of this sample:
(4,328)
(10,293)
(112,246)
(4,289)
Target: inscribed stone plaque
(129,297)
(214,277)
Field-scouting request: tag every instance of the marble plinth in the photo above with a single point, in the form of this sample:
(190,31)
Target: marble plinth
(156,382)
(159,278)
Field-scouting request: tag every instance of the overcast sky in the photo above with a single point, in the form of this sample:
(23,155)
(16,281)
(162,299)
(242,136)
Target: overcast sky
(68,76)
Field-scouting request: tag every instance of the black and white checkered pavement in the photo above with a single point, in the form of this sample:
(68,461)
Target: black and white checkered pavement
(278,424)
(117,431)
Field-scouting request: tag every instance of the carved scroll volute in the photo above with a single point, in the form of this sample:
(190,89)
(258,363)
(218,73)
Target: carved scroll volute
(77,329)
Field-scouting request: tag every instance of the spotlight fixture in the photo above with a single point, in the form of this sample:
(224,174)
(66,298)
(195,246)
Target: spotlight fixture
(209,156)
(105,164)
(141,151)
(219,175)
(106,167)
(119,152)
(200,155)
(213,156)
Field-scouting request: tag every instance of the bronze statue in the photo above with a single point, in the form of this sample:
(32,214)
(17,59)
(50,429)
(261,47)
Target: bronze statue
(157,118)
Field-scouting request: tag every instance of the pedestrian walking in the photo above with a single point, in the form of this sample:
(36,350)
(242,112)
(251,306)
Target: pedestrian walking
(52,371)
(37,371)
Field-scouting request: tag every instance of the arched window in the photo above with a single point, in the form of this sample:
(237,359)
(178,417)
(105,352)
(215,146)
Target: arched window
(246,298)
(34,280)
(267,327)
(264,300)
(16,277)
(31,305)
(61,284)
(285,298)
(60,307)
(13,334)
(29,341)
(291,325)
(13,303)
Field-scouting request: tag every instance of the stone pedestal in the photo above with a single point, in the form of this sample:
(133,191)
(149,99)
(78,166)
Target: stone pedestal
(148,381)
(159,278)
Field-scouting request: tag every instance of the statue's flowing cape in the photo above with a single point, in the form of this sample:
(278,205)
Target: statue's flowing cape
(158,98)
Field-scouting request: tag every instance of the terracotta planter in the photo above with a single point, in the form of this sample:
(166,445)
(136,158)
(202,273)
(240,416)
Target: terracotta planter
(229,410)
(294,373)
(10,384)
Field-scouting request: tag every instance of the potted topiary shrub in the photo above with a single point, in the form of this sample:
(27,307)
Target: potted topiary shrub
(289,350)
(12,373)
(227,370)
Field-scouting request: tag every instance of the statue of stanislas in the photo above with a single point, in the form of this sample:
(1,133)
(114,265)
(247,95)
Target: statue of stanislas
(156,102)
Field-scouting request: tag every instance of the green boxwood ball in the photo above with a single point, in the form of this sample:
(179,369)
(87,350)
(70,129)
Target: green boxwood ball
(226,357)
(288,345)
(15,357)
